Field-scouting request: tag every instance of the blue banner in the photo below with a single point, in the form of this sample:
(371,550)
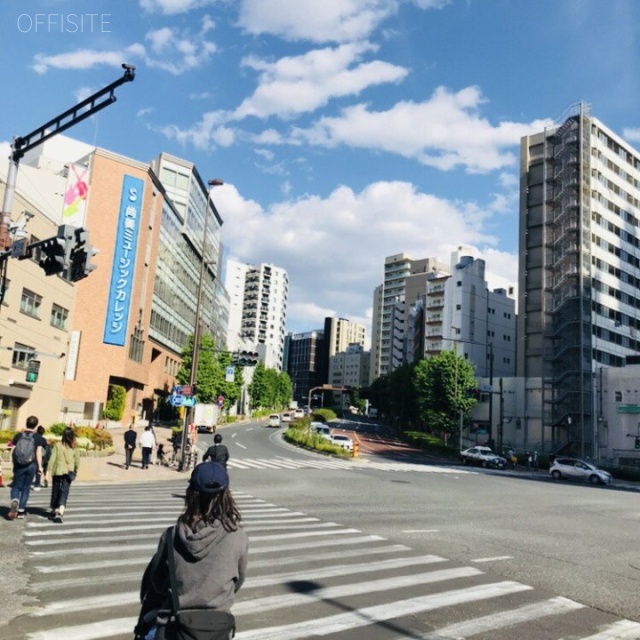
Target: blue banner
(124,262)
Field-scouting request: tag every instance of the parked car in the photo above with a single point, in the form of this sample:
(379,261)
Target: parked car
(286,417)
(274,420)
(482,456)
(576,469)
(344,442)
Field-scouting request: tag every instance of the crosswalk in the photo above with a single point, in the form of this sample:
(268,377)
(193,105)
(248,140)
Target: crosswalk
(283,462)
(307,578)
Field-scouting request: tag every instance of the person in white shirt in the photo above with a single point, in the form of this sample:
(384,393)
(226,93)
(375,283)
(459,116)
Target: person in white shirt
(147,443)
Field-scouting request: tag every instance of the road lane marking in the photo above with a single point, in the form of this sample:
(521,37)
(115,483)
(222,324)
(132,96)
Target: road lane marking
(314,544)
(494,558)
(92,631)
(421,531)
(621,630)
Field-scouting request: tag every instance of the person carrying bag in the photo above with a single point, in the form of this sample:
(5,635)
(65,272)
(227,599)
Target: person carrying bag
(189,585)
(63,467)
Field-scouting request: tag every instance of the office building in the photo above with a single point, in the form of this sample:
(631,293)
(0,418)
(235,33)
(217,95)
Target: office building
(306,356)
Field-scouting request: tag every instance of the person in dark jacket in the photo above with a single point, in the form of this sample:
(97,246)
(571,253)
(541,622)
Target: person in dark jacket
(210,544)
(217,452)
(129,445)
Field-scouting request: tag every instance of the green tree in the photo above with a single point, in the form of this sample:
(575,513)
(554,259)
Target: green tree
(258,387)
(441,384)
(114,408)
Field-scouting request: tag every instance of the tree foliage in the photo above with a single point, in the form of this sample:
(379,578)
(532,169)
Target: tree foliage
(430,393)
(114,408)
(269,389)
(211,376)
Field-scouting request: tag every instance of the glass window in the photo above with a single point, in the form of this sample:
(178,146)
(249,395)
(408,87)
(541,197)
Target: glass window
(30,303)
(21,355)
(59,316)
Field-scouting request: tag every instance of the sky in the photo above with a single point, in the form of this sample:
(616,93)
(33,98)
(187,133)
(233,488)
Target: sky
(345,131)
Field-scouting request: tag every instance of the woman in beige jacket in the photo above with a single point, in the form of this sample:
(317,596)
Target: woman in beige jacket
(63,467)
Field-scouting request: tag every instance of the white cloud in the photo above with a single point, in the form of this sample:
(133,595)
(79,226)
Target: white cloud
(445,131)
(315,20)
(86,58)
(210,130)
(631,134)
(299,84)
(172,7)
(334,248)
(177,51)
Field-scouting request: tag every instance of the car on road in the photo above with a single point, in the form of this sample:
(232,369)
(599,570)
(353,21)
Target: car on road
(274,420)
(298,413)
(286,417)
(576,469)
(482,456)
(344,442)
(206,428)
(321,429)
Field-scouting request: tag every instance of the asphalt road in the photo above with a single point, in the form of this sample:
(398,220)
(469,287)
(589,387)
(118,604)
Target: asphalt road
(576,540)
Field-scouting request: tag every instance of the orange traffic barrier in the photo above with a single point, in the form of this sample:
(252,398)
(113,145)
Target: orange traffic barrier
(356,446)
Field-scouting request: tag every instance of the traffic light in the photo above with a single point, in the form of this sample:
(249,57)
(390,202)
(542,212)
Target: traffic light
(473,393)
(637,442)
(245,358)
(33,369)
(81,254)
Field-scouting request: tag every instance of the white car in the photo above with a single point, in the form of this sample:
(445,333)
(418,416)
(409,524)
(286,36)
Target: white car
(345,442)
(482,456)
(575,469)
(298,413)
(274,420)
(286,417)
(321,429)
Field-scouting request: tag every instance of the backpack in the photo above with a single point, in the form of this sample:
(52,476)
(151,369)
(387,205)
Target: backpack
(25,450)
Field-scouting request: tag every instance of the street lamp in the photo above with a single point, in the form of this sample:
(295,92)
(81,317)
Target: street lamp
(197,329)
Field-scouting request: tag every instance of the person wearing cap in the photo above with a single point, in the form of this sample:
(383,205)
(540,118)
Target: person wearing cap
(210,544)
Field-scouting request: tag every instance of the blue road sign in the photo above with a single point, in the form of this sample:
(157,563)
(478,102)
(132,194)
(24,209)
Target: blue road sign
(176,401)
(188,402)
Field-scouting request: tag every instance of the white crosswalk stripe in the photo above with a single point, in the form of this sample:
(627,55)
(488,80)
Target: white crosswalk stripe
(280,463)
(307,578)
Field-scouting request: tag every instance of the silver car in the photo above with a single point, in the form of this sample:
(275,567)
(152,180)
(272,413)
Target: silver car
(575,469)
(482,456)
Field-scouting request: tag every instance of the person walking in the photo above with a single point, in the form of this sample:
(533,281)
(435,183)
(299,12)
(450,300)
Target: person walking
(63,467)
(210,548)
(217,452)
(147,442)
(129,445)
(41,476)
(26,456)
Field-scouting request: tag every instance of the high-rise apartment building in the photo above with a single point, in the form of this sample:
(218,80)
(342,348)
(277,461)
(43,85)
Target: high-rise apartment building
(389,311)
(258,310)
(579,272)
(350,368)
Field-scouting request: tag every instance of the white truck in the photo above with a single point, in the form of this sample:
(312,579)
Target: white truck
(206,417)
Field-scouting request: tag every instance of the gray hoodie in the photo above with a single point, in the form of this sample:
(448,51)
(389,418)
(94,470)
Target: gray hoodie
(210,568)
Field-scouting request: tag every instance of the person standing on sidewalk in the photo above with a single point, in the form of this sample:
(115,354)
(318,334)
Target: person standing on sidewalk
(63,466)
(147,442)
(129,445)
(26,455)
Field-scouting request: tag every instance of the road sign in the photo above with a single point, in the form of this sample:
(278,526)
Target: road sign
(188,401)
(175,400)
(229,374)
(220,401)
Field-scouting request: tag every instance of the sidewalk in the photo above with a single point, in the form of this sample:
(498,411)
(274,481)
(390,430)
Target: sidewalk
(111,468)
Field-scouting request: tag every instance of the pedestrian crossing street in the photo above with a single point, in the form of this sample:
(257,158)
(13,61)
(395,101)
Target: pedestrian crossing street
(283,462)
(307,578)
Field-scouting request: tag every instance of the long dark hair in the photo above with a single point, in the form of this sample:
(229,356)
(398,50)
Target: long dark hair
(69,438)
(209,507)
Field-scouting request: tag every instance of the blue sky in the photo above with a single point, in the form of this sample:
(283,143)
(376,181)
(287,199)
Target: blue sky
(345,130)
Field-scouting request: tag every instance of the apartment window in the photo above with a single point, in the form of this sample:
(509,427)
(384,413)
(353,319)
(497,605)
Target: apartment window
(618,396)
(136,345)
(459,283)
(30,303)
(21,355)
(59,316)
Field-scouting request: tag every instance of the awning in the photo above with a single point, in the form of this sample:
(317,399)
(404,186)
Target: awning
(15,392)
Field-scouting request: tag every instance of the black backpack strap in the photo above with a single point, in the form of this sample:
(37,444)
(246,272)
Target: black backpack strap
(175,605)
